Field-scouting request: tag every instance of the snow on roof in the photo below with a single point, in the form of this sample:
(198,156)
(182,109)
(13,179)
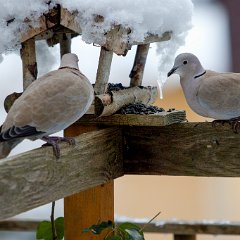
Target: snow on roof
(141,16)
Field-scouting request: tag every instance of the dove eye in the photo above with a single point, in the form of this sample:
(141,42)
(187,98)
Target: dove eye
(185,62)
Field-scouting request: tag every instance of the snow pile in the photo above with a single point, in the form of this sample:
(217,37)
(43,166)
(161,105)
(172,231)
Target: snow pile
(141,16)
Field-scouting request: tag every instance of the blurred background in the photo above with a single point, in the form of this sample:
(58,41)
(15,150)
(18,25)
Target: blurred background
(213,36)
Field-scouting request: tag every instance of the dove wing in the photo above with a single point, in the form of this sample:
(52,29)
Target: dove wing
(219,94)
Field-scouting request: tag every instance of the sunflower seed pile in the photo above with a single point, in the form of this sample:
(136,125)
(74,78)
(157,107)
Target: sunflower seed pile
(115,87)
(139,108)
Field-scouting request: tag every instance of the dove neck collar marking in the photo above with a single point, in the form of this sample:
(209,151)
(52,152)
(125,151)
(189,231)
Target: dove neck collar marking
(200,75)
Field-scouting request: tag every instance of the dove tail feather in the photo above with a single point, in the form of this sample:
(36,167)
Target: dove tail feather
(6,147)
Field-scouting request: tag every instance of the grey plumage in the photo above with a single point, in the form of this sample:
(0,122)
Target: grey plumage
(208,93)
(48,105)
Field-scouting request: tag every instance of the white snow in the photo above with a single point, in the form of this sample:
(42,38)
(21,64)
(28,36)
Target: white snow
(141,16)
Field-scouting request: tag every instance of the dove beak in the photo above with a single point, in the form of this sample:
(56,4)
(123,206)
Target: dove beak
(172,71)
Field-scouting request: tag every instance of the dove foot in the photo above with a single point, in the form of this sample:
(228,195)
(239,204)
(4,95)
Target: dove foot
(222,122)
(234,122)
(54,142)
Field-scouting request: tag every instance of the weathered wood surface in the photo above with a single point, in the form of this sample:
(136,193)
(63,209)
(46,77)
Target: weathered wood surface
(29,62)
(109,103)
(175,227)
(60,20)
(137,71)
(99,201)
(186,149)
(160,119)
(56,20)
(35,178)
(86,208)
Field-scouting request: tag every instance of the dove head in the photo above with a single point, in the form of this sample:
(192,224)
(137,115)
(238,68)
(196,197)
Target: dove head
(69,60)
(187,65)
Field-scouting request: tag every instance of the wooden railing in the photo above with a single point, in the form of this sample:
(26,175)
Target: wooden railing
(181,230)
(35,178)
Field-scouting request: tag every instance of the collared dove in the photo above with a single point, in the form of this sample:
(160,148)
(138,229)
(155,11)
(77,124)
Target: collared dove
(208,93)
(50,104)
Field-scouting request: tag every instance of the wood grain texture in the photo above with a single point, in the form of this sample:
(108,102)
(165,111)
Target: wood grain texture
(35,178)
(185,149)
(87,207)
(160,119)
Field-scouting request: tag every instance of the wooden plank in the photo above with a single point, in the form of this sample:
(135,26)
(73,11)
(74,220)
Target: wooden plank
(35,178)
(90,206)
(160,119)
(19,225)
(151,38)
(29,62)
(186,149)
(87,208)
(178,227)
(56,20)
(69,20)
(103,71)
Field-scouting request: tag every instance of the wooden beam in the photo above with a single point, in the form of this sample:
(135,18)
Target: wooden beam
(137,71)
(177,227)
(35,178)
(56,20)
(160,119)
(186,149)
(87,208)
(29,62)
(90,206)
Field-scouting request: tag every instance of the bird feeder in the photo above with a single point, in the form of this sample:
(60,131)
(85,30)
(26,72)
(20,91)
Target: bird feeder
(60,26)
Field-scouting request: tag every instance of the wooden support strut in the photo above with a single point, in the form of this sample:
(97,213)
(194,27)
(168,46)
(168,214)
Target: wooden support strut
(103,72)
(86,208)
(137,71)
(89,207)
(29,63)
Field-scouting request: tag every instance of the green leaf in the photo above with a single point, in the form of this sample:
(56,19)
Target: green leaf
(113,238)
(59,224)
(44,229)
(131,231)
(135,234)
(98,228)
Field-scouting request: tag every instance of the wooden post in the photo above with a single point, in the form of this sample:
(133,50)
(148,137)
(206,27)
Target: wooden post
(65,43)
(89,207)
(137,71)
(103,72)
(184,237)
(29,63)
